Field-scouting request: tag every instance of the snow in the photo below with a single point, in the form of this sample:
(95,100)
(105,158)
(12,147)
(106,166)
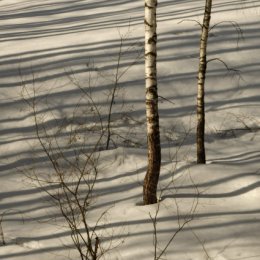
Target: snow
(44,41)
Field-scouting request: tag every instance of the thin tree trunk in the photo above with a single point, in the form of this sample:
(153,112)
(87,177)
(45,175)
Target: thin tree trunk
(152,116)
(201,157)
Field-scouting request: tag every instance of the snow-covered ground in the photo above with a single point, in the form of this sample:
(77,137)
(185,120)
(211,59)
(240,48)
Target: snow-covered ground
(47,45)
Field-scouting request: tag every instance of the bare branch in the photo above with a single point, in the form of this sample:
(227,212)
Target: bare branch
(191,20)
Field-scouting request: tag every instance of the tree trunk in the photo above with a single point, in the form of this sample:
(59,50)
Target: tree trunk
(201,157)
(152,116)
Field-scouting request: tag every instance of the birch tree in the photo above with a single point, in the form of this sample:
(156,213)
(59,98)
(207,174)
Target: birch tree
(152,116)
(201,157)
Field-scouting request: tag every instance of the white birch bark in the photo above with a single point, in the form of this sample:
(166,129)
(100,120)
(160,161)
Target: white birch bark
(201,157)
(153,133)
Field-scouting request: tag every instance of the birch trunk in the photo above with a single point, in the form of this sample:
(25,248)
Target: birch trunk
(152,116)
(201,157)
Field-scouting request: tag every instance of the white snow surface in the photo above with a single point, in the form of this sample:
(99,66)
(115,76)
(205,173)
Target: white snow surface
(47,44)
